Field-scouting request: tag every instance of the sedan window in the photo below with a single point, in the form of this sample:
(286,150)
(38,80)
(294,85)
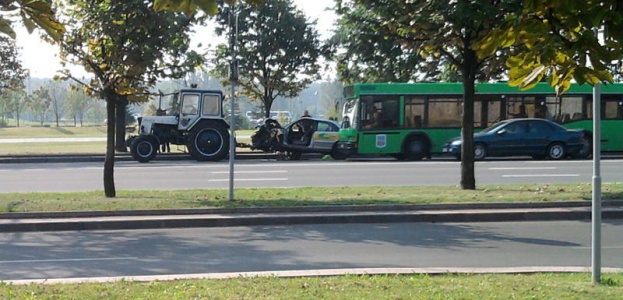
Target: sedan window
(516,127)
(539,127)
(322,126)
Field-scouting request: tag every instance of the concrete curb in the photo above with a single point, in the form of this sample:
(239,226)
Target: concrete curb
(494,212)
(316,273)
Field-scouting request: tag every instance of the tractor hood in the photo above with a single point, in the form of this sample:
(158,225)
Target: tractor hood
(147,123)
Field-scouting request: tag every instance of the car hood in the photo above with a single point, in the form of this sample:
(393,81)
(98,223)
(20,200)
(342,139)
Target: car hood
(458,138)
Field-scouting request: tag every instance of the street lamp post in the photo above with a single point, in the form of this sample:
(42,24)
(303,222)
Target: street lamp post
(233,79)
(596,182)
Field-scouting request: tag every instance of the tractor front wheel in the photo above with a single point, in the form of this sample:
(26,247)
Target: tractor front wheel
(144,148)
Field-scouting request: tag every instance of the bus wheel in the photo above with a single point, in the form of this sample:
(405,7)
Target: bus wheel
(414,148)
(480,151)
(556,151)
(338,154)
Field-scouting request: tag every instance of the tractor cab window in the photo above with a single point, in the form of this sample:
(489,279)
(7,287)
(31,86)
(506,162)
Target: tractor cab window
(190,104)
(211,105)
(172,104)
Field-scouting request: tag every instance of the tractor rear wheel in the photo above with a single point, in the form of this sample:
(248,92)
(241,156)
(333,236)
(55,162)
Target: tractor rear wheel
(208,141)
(144,148)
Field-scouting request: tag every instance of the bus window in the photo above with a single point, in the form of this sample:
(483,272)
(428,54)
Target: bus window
(494,111)
(570,109)
(380,112)
(444,112)
(414,112)
(611,109)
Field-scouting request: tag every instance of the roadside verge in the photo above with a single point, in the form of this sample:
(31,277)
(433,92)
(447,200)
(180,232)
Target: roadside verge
(153,219)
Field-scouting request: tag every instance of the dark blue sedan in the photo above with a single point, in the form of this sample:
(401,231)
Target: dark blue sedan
(538,138)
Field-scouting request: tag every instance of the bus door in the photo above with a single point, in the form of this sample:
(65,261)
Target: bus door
(379,117)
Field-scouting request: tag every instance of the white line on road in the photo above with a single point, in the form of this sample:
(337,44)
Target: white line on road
(524,168)
(543,175)
(249,179)
(66,260)
(251,172)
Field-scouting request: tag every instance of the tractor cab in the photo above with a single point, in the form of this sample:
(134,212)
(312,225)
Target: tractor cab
(192,118)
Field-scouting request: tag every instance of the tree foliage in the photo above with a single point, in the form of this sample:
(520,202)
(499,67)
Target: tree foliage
(449,30)
(39,102)
(277,47)
(557,41)
(127,46)
(12,74)
(366,51)
(77,105)
(190,7)
(33,14)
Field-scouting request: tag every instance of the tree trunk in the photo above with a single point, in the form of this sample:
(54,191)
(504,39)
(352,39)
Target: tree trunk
(120,110)
(109,161)
(468,177)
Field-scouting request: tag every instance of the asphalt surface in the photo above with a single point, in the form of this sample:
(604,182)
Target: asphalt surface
(184,218)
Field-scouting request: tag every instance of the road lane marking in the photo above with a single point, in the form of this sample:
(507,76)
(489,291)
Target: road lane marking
(66,260)
(602,247)
(523,168)
(543,175)
(251,172)
(250,179)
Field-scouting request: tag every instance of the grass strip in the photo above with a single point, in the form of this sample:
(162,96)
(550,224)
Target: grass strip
(448,286)
(307,196)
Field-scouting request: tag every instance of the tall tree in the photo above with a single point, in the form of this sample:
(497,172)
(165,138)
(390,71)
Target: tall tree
(57,94)
(449,30)
(127,47)
(277,47)
(12,74)
(39,103)
(560,42)
(77,104)
(15,103)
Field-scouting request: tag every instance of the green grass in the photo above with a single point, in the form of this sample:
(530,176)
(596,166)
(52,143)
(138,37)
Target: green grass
(270,197)
(52,132)
(449,286)
(98,147)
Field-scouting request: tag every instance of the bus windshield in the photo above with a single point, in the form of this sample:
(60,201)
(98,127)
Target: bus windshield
(350,111)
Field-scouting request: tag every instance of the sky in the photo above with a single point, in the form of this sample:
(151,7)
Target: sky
(42,59)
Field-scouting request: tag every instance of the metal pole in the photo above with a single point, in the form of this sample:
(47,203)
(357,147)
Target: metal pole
(233,76)
(596,194)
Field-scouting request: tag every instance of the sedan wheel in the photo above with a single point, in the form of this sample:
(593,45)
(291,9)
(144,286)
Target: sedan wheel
(480,151)
(556,151)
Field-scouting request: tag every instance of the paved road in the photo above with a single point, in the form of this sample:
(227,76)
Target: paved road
(305,247)
(258,173)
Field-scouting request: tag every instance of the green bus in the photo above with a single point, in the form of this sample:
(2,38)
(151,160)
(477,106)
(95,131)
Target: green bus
(411,121)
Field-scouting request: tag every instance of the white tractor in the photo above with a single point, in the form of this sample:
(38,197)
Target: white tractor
(194,118)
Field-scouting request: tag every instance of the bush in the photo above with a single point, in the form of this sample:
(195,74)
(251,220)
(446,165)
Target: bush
(3,124)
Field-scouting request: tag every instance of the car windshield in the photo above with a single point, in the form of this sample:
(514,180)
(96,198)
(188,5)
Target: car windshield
(494,127)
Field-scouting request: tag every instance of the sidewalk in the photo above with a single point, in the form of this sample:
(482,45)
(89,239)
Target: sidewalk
(186,218)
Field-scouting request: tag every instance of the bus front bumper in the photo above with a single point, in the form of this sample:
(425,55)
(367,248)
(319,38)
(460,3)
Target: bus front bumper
(346,147)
